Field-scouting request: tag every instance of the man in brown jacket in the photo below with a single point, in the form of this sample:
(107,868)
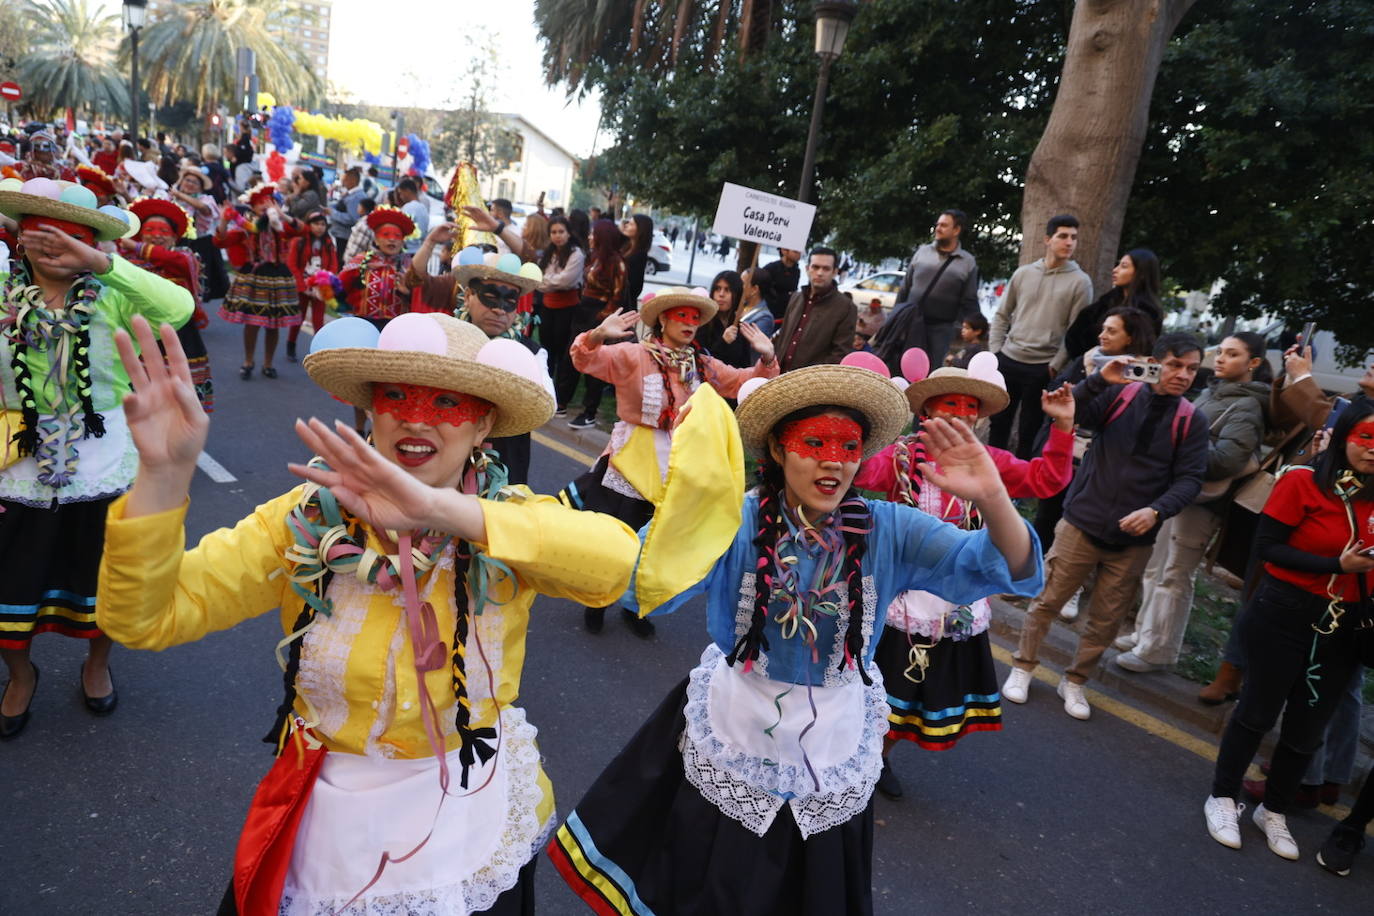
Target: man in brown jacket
(820,320)
(1296,398)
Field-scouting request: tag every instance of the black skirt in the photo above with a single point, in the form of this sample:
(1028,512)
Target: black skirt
(589,494)
(959,693)
(643,839)
(49,564)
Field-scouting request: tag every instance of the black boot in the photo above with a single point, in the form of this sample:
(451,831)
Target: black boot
(291,351)
(593,618)
(642,627)
(888,783)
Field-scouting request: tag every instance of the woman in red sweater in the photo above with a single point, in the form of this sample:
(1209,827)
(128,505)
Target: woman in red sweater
(309,254)
(1300,628)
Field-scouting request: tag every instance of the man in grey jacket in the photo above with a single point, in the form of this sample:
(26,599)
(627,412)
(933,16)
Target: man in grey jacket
(939,291)
(1041,301)
(1144,466)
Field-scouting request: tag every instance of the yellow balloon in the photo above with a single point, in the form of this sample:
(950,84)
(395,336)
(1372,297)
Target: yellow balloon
(266,100)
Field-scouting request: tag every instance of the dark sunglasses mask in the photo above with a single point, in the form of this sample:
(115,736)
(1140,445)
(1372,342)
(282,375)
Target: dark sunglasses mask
(496,296)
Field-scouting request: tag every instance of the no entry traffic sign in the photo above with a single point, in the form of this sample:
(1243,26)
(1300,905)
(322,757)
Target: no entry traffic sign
(11,92)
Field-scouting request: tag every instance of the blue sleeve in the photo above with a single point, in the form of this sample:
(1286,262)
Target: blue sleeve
(708,585)
(918,551)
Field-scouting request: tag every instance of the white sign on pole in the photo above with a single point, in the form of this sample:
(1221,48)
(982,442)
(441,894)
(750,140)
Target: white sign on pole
(757,216)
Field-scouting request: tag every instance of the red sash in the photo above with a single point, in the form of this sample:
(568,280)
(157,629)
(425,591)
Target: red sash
(264,851)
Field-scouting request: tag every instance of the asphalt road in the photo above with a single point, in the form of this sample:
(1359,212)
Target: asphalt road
(138,813)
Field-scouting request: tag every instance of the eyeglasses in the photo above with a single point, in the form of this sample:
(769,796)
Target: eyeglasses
(43,146)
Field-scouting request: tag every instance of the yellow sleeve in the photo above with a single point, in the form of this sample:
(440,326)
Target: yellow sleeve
(585,557)
(154,594)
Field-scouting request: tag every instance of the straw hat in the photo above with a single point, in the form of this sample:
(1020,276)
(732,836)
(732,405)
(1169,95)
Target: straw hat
(473,263)
(673,297)
(62,200)
(864,390)
(992,398)
(205,183)
(148,207)
(347,356)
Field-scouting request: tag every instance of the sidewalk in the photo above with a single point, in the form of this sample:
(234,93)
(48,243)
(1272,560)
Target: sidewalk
(1161,693)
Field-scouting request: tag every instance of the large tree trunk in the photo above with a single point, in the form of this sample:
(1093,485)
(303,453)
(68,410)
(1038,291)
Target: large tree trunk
(1086,160)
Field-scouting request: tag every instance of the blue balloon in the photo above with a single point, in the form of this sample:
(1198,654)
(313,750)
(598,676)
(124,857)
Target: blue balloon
(471,256)
(345,332)
(508,263)
(116,212)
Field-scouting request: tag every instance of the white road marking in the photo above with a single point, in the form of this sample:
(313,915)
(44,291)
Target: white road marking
(214,470)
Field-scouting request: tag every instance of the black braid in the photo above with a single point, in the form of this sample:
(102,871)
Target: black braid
(855,544)
(474,743)
(26,440)
(293,661)
(772,525)
(94,422)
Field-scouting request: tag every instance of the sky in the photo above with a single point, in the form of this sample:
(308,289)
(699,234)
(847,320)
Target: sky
(405,53)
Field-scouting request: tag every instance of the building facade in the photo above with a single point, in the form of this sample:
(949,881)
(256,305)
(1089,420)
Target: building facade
(543,166)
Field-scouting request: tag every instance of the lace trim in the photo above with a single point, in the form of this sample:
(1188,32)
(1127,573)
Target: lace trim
(744,614)
(653,400)
(522,838)
(835,675)
(931,616)
(751,790)
(107,468)
(325,649)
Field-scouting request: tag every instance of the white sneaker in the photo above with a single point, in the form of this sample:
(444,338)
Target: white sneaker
(1070,609)
(1017,686)
(1075,703)
(1132,662)
(1125,642)
(1221,820)
(1275,827)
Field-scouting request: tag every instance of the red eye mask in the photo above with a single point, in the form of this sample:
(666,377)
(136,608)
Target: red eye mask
(83,233)
(421,405)
(388,232)
(1362,434)
(825,439)
(683,314)
(964,406)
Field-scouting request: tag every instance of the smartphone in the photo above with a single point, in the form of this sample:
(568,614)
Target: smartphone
(1307,331)
(1141,369)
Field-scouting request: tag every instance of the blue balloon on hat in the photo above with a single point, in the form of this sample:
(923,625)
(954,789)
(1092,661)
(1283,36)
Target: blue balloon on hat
(470,256)
(508,264)
(116,212)
(78,196)
(349,331)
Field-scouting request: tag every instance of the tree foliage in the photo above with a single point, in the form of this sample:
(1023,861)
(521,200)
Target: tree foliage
(1255,169)
(190,54)
(67,65)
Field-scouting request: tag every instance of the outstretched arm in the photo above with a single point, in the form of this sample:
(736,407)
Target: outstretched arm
(966,470)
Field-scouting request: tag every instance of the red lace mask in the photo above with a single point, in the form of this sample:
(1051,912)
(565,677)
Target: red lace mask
(430,406)
(82,233)
(825,439)
(1362,434)
(683,314)
(964,406)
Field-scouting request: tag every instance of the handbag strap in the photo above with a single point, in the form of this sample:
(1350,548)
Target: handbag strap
(933,280)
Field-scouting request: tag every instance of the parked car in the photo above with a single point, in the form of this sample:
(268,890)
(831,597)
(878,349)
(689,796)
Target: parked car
(882,286)
(660,255)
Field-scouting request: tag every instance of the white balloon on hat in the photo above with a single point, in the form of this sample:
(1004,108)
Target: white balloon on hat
(748,388)
(983,367)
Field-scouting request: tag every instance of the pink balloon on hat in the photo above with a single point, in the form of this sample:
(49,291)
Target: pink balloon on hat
(982,365)
(900,384)
(513,357)
(865,360)
(413,331)
(915,364)
(647,296)
(700,291)
(748,388)
(42,187)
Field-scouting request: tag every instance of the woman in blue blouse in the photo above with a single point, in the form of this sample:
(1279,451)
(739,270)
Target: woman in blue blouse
(750,789)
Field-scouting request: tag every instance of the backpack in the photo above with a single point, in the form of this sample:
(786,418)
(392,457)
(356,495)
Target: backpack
(1183,414)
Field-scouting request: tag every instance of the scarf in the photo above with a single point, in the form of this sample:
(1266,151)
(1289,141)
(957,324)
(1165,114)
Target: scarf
(826,593)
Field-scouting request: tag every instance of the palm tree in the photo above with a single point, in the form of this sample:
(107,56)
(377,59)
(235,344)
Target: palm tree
(67,65)
(190,54)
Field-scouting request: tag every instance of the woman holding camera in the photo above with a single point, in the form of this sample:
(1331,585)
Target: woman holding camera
(1300,628)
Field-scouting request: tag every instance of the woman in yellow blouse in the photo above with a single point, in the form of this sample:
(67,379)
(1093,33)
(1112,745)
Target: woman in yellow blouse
(382,702)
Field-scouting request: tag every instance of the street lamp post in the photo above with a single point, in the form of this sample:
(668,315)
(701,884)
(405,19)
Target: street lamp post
(135,18)
(832,27)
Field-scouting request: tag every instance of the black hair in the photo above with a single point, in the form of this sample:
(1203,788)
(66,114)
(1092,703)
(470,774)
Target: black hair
(763,280)
(581,225)
(554,254)
(1256,345)
(503,205)
(408,184)
(978,323)
(734,283)
(1145,285)
(1179,343)
(823,250)
(1332,463)
(644,234)
(772,525)
(1060,221)
(1139,326)
(367,205)
(958,216)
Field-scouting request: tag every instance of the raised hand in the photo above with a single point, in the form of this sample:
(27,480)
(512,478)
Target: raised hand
(617,324)
(1058,405)
(966,470)
(56,250)
(364,482)
(1297,361)
(482,221)
(758,340)
(1114,372)
(165,418)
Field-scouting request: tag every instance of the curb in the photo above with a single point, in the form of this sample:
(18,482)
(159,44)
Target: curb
(593,441)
